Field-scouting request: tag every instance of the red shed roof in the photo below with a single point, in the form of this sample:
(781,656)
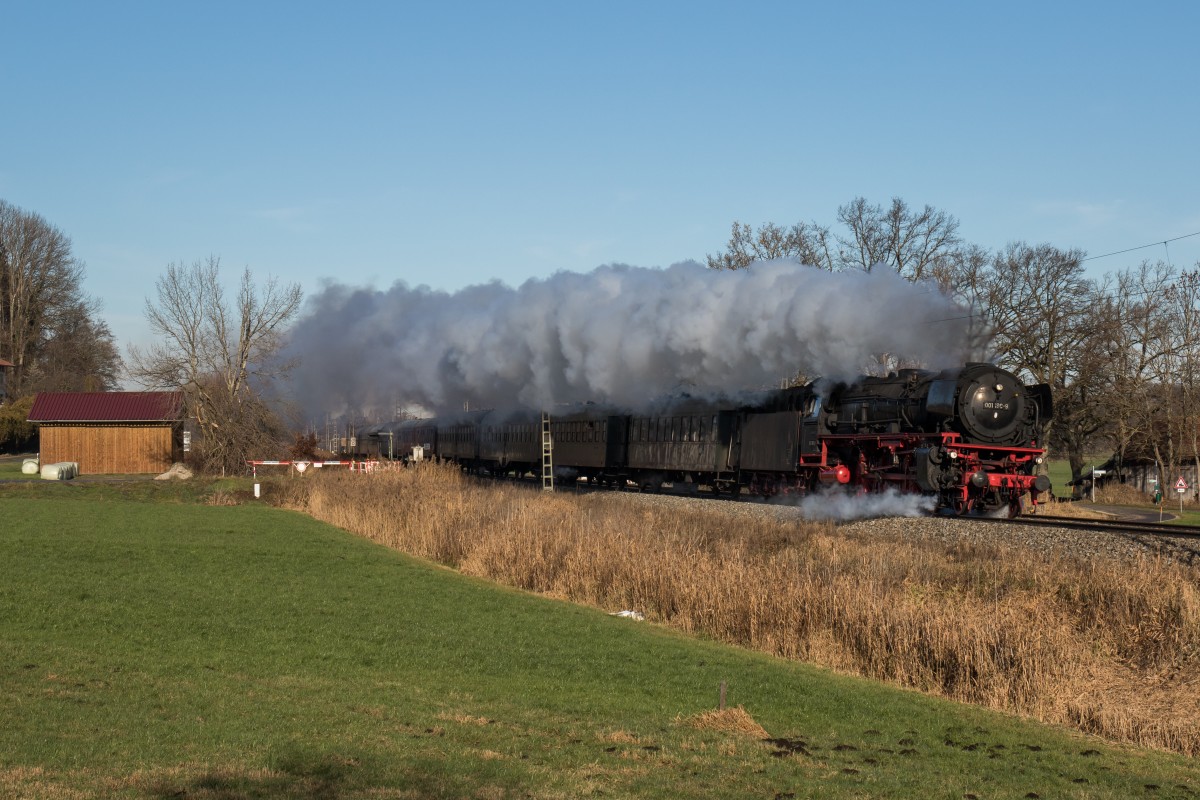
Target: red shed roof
(106,407)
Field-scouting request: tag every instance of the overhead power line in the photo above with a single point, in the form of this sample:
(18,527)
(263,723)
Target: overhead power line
(1143,247)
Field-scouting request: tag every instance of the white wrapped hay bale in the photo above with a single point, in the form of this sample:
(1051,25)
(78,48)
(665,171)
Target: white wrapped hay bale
(29,466)
(62,471)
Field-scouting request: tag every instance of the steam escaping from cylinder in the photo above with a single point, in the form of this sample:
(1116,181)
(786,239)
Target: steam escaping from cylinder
(618,334)
(842,506)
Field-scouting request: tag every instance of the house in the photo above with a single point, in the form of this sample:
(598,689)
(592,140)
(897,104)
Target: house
(110,432)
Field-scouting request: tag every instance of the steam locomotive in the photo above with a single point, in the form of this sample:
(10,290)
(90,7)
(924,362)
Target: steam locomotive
(967,437)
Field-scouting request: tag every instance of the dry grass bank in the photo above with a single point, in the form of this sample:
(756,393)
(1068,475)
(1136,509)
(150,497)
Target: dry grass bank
(1109,647)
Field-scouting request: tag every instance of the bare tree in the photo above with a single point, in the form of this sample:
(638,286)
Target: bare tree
(913,243)
(224,359)
(965,275)
(916,244)
(80,355)
(1137,349)
(39,280)
(1041,306)
(1181,376)
(807,243)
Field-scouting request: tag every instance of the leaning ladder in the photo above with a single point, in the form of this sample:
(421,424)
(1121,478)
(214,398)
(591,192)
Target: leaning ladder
(547,455)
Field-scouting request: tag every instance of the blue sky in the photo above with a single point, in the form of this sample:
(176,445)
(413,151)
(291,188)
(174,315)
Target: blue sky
(451,144)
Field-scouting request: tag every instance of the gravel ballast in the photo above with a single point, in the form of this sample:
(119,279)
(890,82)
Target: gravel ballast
(1045,538)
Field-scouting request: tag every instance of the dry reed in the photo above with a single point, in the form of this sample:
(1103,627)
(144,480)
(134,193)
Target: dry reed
(728,720)
(1106,646)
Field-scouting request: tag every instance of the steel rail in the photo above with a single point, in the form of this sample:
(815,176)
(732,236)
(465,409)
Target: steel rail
(1113,525)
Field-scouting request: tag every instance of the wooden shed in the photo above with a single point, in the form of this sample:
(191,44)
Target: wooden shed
(110,432)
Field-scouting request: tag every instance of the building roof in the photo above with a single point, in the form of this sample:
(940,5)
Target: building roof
(6,363)
(107,407)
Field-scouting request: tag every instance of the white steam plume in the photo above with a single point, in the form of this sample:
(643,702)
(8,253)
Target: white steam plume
(618,334)
(843,506)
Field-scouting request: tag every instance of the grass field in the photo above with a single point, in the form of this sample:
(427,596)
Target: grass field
(169,649)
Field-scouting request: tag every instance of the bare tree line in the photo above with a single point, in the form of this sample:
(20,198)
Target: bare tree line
(1122,352)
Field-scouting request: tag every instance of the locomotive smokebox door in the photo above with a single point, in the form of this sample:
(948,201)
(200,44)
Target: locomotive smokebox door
(991,405)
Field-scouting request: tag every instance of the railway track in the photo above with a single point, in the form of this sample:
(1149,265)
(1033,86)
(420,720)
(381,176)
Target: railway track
(1108,525)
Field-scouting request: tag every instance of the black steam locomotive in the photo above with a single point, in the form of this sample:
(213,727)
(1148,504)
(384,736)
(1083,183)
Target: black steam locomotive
(968,437)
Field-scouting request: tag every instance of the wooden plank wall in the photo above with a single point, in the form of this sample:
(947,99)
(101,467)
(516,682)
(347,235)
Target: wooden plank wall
(109,449)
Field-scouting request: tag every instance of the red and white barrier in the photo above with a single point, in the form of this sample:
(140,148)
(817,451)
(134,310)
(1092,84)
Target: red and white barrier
(303,466)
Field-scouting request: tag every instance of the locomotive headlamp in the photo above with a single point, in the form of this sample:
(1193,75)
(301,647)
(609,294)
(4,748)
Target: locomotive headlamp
(953,454)
(1037,460)
(999,387)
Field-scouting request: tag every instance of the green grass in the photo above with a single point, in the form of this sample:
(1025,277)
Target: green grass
(1060,474)
(152,649)
(11,468)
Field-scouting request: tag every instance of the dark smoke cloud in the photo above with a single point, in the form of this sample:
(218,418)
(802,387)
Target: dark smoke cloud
(618,334)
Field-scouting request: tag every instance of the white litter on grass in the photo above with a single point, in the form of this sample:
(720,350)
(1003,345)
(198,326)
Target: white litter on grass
(639,616)
(177,470)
